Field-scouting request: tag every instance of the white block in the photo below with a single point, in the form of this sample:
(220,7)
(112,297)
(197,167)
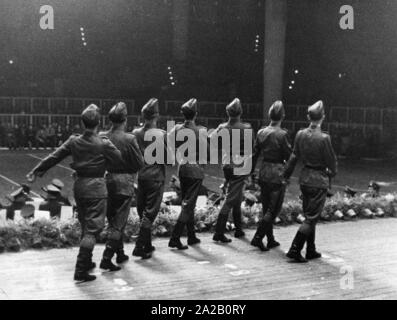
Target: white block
(17,216)
(176,209)
(3,215)
(66,213)
(201,201)
(167,196)
(40,214)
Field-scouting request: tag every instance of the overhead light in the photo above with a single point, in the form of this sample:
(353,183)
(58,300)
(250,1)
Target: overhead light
(81,29)
(296,71)
(290,87)
(293,81)
(11,61)
(173,83)
(84,43)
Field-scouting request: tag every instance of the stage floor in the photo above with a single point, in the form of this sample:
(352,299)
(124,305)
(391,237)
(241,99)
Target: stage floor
(360,262)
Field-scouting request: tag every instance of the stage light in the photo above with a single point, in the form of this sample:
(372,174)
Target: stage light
(171,78)
(84,43)
(296,71)
(169,68)
(82,34)
(293,81)
(11,61)
(83,38)
(290,87)
(173,83)
(81,29)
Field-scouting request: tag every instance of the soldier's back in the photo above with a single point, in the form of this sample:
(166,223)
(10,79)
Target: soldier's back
(156,171)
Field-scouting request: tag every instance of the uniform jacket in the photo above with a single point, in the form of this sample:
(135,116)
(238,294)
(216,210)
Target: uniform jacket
(272,143)
(120,179)
(194,169)
(231,156)
(91,155)
(156,171)
(314,149)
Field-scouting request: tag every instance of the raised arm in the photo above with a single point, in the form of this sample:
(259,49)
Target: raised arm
(50,161)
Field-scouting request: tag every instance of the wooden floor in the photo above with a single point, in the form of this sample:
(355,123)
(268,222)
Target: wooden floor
(360,262)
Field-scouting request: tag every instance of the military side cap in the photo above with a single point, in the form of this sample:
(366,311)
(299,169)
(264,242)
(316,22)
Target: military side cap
(118,113)
(151,109)
(234,108)
(189,108)
(276,111)
(57,183)
(52,189)
(316,111)
(91,115)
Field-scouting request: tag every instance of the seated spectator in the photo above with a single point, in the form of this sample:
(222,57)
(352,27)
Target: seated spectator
(30,137)
(41,138)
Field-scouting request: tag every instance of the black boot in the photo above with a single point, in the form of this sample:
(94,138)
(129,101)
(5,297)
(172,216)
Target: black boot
(271,242)
(238,233)
(91,265)
(149,248)
(311,252)
(175,241)
(191,234)
(141,242)
(82,266)
(120,255)
(220,229)
(106,262)
(260,233)
(296,247)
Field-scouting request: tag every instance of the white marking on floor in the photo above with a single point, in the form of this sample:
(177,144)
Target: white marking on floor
(58,165)
(120,282)
(240,273)
(127,288)
(203,262)
(18,185)
(230,266)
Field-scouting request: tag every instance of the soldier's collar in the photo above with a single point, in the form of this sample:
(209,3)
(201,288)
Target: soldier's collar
(89,132)
(314,126)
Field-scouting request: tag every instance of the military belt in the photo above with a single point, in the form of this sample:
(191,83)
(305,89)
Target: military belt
(316,168)
(90,175)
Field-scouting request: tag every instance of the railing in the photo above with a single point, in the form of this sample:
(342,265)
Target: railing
(65,111)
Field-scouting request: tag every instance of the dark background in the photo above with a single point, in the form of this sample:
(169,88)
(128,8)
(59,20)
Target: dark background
(130,47)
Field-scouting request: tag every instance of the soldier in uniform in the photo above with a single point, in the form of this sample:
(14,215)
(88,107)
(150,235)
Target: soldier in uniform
(272,143)
(150,179)
(120,184)
(234,183)
(90,154)
(191,175)
(314,149)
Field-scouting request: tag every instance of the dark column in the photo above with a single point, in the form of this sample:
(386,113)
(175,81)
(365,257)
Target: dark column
(180,20)
(275,32)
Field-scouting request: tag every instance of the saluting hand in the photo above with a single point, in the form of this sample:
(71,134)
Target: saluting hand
(31,177)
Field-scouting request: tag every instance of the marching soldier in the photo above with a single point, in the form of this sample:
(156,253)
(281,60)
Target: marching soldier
(272,143)
(191,175)
(120,185)
(314,149)
(90,154)
(150,179)
(235,183)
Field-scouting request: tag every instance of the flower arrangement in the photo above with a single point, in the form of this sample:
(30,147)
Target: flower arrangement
(43,233)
